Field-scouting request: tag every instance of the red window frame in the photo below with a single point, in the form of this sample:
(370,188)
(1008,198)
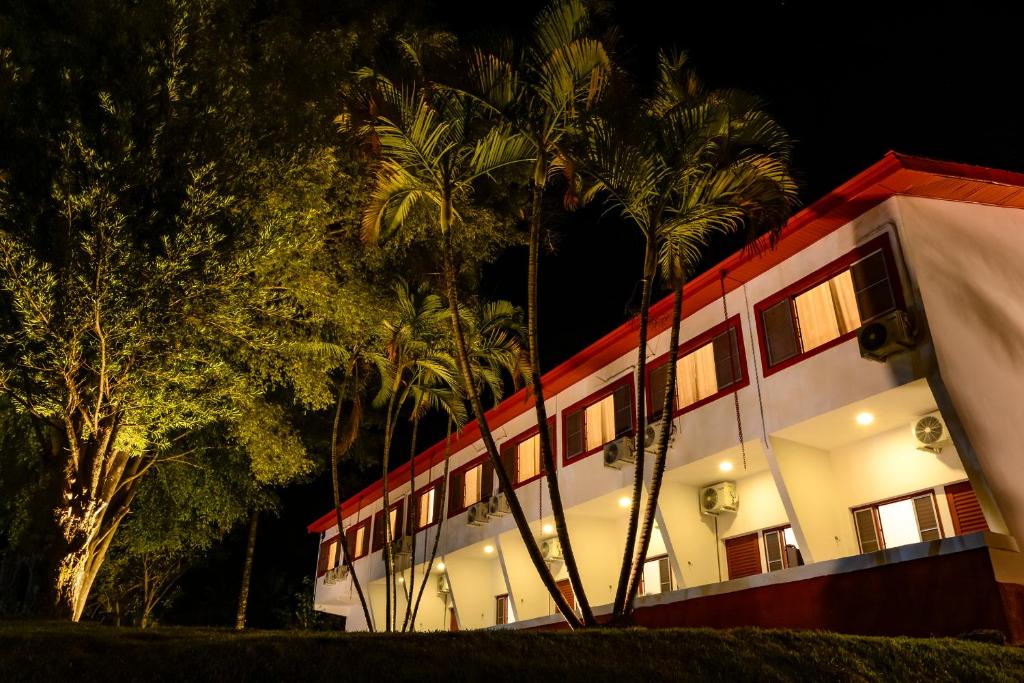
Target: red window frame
(895,499)
(459,471)
(501,609)
(692,345)
(764,546)
(514,442)
(322,559)
(354,553)
(823,274)
(398,532)
(590,400)
(414,505)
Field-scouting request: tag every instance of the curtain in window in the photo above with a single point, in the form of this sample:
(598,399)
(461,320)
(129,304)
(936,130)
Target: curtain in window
(816,314)
(845,302)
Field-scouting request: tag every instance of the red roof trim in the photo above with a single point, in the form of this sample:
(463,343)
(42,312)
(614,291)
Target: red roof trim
(894,174)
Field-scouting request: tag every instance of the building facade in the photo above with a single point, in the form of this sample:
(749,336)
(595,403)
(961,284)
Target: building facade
(843,451)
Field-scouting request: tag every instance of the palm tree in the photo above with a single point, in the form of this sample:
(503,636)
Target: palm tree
(432,149)
(694,164)
(539,89)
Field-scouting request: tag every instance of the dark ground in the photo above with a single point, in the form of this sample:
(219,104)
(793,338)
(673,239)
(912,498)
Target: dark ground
(849,81)
(35,651)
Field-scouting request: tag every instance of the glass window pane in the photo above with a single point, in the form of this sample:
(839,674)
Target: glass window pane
(845,301)
(686,381)
(780,332)
(899,523)
(528,457)
(816,316)
(471,486)
(872,286)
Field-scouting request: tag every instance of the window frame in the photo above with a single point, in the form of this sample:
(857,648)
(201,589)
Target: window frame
(501,617)
(399,522)
(878,521)
(514,442)
(582,405)
(323,559)
(414,505)
(671,578)
(881,243)
(368,535)
(458,472)
(764,548)
(690,346)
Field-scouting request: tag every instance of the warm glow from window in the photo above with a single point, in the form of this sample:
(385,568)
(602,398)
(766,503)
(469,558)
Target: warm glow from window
(624,502)
(600,422)
(899,523)
(488,549)
(725,466)
(827,311)
(471,486)
(393,520)
(426,511)
(332,551)
(865,418)
(528,459)
(360,537)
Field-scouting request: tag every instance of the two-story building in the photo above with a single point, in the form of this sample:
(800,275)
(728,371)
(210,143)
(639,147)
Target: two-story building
(844,450)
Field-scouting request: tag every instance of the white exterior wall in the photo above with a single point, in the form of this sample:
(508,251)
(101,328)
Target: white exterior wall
(798,482)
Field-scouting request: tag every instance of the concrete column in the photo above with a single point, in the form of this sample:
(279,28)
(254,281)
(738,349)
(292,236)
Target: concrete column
(689,535)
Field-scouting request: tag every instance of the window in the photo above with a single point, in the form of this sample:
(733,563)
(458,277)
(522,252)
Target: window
(395,522)
(656,577)
(965,509)
(521,457)
(565,588)
(601,418)
(781,549)
(358,539)
(828,306)
(469,484)
(328,551)
(898,522)
(427,509)
(743,556)
(708,366)
(501,611)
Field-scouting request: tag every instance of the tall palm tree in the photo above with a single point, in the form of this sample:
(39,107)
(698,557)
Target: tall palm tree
(539,89)
(693,164)
(432,149)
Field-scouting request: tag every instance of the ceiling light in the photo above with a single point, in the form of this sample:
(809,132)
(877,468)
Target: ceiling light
(440,566)
(865,418)
(725,466)
(488,549)
(401,579)
(547,529)
(624,502)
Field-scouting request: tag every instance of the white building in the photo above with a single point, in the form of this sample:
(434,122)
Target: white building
(844,519)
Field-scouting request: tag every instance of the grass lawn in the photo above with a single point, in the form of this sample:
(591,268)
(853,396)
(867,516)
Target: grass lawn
(46,651)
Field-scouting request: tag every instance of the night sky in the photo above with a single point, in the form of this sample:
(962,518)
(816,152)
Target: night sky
(849,81)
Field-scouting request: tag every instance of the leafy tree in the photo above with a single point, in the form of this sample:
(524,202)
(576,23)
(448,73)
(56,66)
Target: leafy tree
(163,266)
(689,164)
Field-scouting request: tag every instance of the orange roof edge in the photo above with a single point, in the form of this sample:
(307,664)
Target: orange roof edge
(893,174)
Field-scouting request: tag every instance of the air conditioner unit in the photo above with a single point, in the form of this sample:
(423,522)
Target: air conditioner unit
(403,545)
(443,587)
(497,505)
(652,432)
(476,515)
(339,573)
(931,433)
(619,452)
(885,336)
(551,549)
(720,497)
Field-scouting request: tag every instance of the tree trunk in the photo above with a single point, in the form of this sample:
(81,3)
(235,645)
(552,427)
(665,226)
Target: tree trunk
(243,593)
(546,449)
(79,526)
(625,569)
(410,522)
(504,482)
(658,475)
(353,429)
(440,527)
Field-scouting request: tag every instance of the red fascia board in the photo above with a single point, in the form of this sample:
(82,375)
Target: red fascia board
(894,174)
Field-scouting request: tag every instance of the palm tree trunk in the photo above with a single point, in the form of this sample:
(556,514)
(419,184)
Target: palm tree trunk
(410,522)
(504,482)
(658,475)
(546,449)
(343,549)
(243,593)
(389,558)
(440,527)
(621,591)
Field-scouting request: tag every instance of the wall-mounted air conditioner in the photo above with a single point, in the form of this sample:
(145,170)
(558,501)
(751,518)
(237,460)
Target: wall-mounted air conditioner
(652,432)
(476,515)
(885,336)
(931,433)
(619,452)
(718,498)
(497,505)
(551,549)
